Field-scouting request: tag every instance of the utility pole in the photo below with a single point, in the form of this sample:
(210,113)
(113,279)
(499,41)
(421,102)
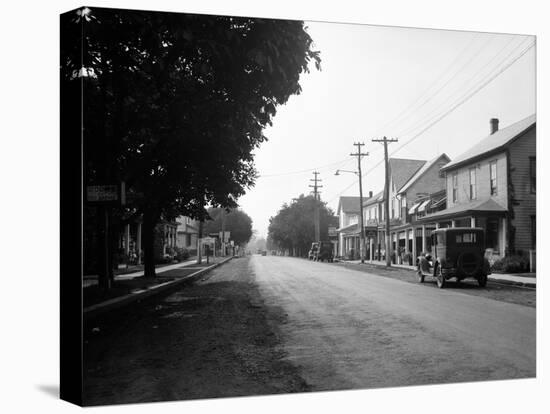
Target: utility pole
(316,214)
(223,233)
(358,154)
(387,196)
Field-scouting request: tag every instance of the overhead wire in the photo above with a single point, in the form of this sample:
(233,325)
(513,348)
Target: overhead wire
(453,107)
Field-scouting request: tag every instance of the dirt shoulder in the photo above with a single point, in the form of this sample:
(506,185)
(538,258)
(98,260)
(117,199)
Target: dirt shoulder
(210,339)
(494,290)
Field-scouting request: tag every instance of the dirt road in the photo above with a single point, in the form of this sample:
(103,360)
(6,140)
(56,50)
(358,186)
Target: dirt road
(265,325)
(349,329)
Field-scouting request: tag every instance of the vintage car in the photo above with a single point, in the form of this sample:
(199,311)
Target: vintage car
(458,252)
(324,252)
(312,251)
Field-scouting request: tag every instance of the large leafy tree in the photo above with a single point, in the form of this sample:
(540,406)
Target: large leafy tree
(175,104)
(236,221)
(293,228)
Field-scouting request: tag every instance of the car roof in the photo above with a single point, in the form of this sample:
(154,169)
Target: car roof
(458,229)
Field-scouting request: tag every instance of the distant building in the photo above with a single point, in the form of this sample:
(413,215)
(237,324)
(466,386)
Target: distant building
(187,233)
(348,227)
(493,186)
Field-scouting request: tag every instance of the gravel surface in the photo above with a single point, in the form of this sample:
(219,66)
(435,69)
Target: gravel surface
(209,339)
(268,325)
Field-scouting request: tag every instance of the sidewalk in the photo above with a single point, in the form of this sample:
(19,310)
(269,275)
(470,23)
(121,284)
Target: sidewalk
(527,279)
(90,280)
(134,287)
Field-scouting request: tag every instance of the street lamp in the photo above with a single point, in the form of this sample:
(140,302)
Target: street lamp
(362,228)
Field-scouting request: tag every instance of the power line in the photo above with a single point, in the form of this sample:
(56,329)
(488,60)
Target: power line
(465,98)
(464,85)
(446,113)
(440,77)
(337,163)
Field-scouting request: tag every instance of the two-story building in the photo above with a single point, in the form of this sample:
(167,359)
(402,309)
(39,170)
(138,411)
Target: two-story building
(348,227)
(493,186)
(187,233)
(415,184)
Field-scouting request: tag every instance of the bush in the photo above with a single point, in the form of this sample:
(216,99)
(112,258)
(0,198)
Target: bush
(511,264)
(181,254)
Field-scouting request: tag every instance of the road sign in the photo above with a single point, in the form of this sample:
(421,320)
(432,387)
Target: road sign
(106,194)
(332,231)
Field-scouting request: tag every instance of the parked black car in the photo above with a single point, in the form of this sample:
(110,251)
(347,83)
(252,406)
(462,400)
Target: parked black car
(324,252)
(458,252)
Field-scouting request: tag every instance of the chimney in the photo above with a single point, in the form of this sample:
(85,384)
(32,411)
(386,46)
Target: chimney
(370,194)
(494,125)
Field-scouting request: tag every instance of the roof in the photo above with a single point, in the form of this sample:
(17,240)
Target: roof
(477,206)
(349,229)
(374,199)
(422,170)
(494,142)
(402,170)
(349,204)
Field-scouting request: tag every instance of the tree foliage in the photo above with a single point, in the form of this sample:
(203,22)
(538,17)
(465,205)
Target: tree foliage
(236,221)
(293,228)
(175,104)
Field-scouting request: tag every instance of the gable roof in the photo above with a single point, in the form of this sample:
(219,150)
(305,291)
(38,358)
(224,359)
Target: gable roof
(440,158)
(494,142)
(402,170)
(349,204)
(374,199)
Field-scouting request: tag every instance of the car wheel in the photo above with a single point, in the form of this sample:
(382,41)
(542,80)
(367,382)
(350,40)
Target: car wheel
(420,274)
(441,282)
(482,280)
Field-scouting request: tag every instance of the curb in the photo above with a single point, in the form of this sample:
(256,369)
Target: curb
(115,303)
(494,279)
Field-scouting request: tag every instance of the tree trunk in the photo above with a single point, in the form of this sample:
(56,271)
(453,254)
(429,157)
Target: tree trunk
(150,220)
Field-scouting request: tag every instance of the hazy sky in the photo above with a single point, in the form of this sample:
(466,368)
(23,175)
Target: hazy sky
(390,81)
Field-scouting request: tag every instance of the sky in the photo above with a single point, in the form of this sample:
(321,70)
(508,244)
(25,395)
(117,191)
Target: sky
(433,90)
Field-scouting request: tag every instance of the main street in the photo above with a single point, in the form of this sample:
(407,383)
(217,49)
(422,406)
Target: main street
(268,324)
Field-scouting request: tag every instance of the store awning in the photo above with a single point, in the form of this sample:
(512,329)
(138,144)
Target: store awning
(439,202)
(414,207)
(423,205)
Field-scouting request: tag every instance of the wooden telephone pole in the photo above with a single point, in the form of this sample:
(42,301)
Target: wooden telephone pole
(387,196)
(359,154)
(316,214)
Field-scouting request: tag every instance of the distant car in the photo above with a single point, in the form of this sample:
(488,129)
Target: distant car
(264,253)
(313,251)
(324,252)
(459,252)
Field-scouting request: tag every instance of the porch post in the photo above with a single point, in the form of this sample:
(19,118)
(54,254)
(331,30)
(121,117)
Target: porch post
(453,223)
(504,237)
(127,239)
(414,252)
(138,243)
(423,237)
(472,221)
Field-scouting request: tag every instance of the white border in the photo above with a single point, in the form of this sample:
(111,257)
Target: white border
(30,184)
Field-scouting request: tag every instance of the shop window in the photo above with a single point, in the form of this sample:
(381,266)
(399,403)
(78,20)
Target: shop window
(492,234)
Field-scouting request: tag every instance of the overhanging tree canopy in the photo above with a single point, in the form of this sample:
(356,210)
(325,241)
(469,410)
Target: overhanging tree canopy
(176,103)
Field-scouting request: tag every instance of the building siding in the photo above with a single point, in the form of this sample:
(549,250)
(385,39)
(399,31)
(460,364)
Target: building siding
(483,181)
(523,202)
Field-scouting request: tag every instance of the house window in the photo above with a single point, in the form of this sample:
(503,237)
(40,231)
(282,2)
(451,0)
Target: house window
(455,187)
(533,232)
(473,193)
(393,208)
(533,174)
(493,177)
